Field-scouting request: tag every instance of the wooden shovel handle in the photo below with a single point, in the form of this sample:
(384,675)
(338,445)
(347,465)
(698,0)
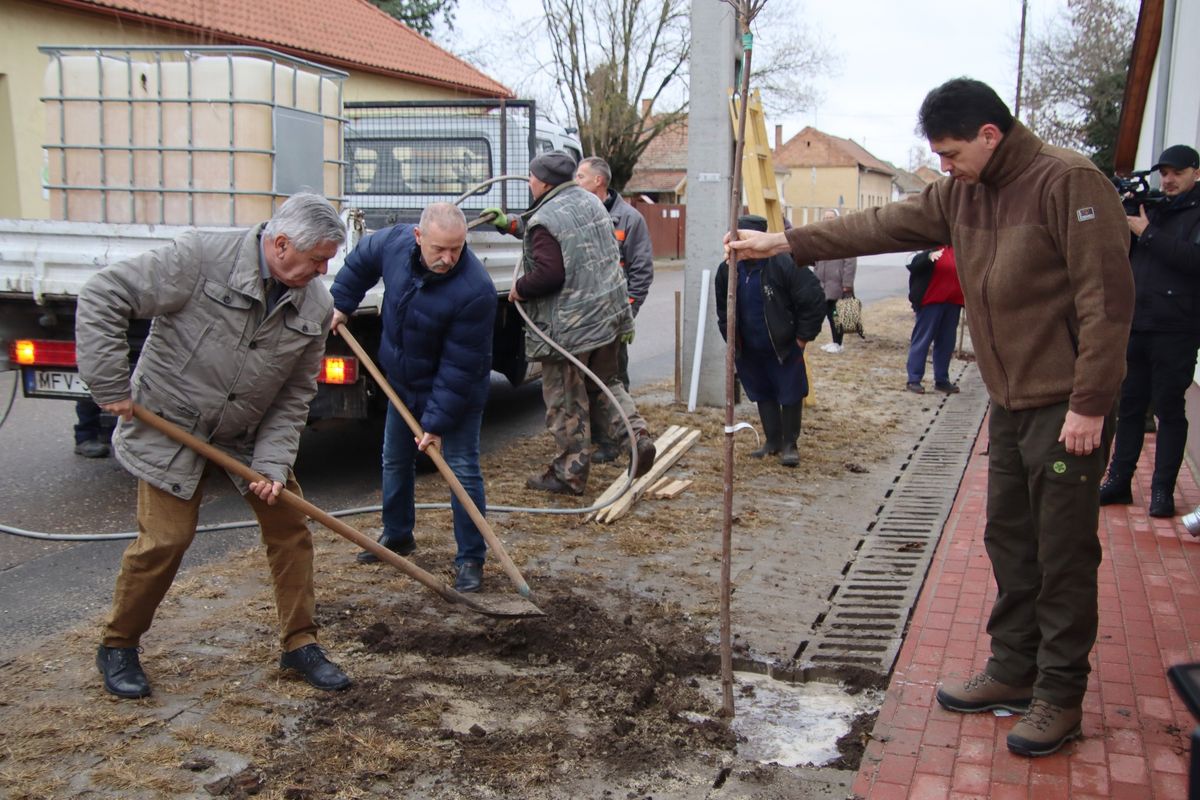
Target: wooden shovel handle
(293,500)
(433,452)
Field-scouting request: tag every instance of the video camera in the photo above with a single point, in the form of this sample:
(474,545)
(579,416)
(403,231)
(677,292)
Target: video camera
(1136,193)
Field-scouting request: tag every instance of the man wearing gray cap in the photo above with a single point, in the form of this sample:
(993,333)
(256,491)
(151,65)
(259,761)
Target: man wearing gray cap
(1160,361)
(574,291)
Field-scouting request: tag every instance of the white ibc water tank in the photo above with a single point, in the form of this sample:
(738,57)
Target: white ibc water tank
(211,140)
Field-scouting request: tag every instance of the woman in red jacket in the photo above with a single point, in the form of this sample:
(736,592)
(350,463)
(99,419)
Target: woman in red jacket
(937,298)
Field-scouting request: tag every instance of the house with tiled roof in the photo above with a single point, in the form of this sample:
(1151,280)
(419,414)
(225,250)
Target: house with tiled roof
(384,59)
(826,171)
(661,173)
(928,174)
(906,184)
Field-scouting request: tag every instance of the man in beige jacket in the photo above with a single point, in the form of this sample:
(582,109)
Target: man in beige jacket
(232,357)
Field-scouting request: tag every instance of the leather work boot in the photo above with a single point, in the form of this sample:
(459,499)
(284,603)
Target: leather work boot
(1044,729)
(646,452)
(1116,491)
(789,456)
(470,577)
(772,423)
(983,693)
(122,671)
(404,547)
(549,482)
(1162,502)
(605,452)
(311,662)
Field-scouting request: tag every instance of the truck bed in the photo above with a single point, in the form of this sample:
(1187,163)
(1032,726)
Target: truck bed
(51,259)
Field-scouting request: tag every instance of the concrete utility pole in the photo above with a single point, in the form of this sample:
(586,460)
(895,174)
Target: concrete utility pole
(709,183)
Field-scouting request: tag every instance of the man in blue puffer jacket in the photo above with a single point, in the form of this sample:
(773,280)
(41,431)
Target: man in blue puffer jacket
(439,306)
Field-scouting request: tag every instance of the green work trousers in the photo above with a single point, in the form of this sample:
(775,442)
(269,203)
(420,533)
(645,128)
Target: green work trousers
(1042,514)
(166,527)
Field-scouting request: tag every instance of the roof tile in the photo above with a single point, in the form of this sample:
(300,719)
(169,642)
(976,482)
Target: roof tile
(344,33)
(813,148)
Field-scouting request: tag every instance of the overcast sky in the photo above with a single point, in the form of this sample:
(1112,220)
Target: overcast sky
(889,54)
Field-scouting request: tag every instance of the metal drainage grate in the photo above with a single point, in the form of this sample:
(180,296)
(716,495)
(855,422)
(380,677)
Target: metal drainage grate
(869,611)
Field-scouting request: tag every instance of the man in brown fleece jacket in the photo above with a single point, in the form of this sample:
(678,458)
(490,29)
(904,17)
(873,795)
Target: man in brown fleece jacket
(1042,248)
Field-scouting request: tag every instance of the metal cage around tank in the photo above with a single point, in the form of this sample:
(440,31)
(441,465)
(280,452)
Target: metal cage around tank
(187,135)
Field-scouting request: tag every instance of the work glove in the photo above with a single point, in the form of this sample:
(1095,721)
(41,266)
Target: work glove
(499,218)
(627,338)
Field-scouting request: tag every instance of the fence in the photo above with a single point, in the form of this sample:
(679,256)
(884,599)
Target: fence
(668,227)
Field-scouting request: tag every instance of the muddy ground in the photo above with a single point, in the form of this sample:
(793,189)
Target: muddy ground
(610,695)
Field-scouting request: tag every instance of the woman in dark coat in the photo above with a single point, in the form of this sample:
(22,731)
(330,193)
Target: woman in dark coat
(780,308)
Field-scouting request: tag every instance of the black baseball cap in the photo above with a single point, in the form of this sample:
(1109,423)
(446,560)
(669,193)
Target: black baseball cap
(1179,156)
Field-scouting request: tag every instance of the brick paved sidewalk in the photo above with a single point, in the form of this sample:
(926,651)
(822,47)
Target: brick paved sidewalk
(1136,730)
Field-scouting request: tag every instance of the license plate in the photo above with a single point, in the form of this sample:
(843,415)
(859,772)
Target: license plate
(54,383)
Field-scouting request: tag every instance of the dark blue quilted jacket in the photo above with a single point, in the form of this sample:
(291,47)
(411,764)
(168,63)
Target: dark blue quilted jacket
(437,329)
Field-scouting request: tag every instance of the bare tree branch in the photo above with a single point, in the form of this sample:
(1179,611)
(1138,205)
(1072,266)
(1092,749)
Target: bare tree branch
(1077,77)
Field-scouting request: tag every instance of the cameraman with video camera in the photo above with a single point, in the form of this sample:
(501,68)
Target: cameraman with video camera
(1160,361)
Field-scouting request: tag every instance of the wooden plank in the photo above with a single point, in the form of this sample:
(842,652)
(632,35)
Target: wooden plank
(662,484)
(674,489)
(669,437)
(661,464)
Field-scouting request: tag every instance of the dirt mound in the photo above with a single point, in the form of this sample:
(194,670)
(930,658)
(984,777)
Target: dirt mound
(509,706)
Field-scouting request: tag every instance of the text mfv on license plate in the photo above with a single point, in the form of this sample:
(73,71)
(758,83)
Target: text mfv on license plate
(54,383)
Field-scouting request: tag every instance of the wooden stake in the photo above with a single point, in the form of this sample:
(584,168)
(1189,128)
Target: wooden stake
(661,465)
(678,347)
(673,490)
(669,437)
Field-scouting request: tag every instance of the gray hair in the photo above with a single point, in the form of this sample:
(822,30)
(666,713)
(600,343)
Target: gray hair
(446,216)
(306,219)
(599,166)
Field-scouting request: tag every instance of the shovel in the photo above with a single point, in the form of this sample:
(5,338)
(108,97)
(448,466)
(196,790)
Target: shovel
(489,535)
(491,606)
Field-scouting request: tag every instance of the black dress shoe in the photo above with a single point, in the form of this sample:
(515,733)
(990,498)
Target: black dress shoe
(470,577)
(311,662)
(1162,503)
(1116,490)
(404,547)
(122,671)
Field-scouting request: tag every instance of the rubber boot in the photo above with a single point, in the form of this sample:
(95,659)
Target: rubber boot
(789,456)
(772,425)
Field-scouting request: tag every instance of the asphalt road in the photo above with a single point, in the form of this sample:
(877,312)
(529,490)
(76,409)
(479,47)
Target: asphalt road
(46,587)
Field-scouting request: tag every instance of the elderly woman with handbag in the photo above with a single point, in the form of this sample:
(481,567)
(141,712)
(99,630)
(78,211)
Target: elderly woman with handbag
(837,279)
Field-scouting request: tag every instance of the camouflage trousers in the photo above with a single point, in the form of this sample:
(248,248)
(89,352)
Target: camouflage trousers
(575,407)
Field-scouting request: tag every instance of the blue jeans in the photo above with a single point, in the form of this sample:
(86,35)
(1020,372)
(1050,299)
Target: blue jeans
(936,324)
(460,448)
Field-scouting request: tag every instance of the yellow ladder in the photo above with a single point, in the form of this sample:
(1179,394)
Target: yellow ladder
(758,169)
